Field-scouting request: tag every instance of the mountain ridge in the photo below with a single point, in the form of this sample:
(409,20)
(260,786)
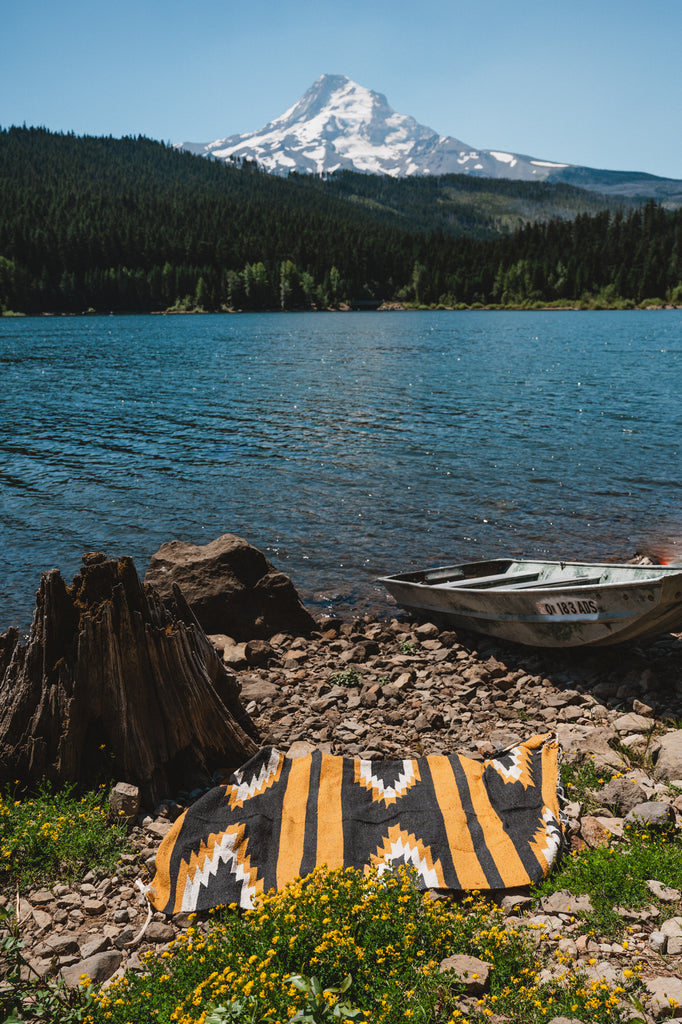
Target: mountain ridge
(340,125)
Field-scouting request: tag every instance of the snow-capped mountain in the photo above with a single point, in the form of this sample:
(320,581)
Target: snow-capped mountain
(338,124)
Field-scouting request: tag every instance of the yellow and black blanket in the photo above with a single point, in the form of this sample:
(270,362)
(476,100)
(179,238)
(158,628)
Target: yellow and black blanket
(461,823)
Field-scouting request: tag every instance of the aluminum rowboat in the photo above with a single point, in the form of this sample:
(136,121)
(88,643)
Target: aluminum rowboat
(546,604)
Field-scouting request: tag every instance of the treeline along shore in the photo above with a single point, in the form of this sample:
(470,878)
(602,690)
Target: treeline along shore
(133,225)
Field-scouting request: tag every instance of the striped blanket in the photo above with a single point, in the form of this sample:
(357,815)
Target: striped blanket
(461,823)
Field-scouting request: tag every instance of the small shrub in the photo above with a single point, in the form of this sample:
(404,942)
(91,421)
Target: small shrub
(580,781)
(348,678)
(56,835)
(407,647)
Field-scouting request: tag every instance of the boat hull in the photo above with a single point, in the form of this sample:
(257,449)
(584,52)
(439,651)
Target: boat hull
(632,603)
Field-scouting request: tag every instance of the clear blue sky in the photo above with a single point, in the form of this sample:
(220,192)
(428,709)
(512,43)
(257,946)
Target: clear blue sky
(593,82)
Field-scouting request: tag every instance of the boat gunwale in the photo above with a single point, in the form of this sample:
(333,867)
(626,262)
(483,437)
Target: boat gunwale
(660,573)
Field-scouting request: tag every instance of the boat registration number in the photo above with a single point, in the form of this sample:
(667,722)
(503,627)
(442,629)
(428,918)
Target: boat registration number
(566,606)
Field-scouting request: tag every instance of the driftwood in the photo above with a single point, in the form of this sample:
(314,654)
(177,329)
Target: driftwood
(114,682)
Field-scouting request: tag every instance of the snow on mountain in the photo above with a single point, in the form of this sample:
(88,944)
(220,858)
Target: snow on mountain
(338,124)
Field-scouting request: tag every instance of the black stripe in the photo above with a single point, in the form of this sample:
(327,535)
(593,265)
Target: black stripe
(485,858)
(309,859)
(520,811)
(440,847)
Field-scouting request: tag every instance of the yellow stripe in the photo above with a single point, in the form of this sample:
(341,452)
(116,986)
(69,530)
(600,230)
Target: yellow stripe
(329,814)
(550,775)
(292,832)
(467,865)
(160,890)
(500,845)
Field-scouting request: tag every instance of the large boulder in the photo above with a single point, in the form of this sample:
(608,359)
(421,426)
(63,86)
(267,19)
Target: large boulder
(231,587)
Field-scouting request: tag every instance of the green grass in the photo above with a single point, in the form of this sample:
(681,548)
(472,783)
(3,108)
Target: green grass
(616,875)
(580,782)
(56,836)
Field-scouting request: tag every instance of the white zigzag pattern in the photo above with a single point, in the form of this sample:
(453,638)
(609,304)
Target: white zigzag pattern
(552,836)
(388,792)
(245,790)
(223,851)
(513,771)
(402,851)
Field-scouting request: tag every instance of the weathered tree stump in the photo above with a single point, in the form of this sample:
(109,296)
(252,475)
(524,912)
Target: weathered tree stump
(114,680)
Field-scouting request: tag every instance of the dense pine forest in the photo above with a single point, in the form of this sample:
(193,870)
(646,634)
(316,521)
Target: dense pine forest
(131,224)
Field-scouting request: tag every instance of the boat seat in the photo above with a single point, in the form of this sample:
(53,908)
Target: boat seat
(558,581)
(483,582)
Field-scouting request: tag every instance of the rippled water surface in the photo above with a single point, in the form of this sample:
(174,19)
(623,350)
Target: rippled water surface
(344,446)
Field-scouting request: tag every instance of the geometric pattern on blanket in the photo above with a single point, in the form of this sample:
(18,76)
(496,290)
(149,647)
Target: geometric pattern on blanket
(462,824)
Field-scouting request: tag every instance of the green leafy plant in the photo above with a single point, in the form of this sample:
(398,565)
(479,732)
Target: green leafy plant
(348,678)
(581,781)
(56,835)
(407,647)
(321,1003)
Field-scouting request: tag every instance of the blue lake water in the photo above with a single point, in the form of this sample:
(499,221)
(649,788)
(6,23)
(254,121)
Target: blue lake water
(343,445)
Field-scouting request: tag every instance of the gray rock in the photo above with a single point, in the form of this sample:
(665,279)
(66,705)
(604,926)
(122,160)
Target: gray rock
(94,907)
(257,689)
(651,814)
(125,936)
(668,753)
(664,892)
(624,794)
(469,971)
(124,803)
(614,826)
(42,919)
(658,941)
(593,832)
(259,652)
(516,902)
(97,968)
(633,723)
(235,656)
(301,748)
(673,926)
(664,994)
(159,828)
(63,944)
(579,738)
(564,902)
(565,1020)
(91,947)
(426,631)
(159,931)
(41,898)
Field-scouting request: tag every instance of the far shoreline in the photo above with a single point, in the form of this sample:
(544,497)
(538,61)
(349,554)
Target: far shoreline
(383,308)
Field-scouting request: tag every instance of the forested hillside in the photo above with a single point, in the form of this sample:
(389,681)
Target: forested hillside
(132,224)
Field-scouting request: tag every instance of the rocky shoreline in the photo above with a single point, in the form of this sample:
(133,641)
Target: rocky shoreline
(392,688)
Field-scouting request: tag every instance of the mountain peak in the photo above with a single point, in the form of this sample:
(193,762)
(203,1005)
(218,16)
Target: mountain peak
(338,124)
